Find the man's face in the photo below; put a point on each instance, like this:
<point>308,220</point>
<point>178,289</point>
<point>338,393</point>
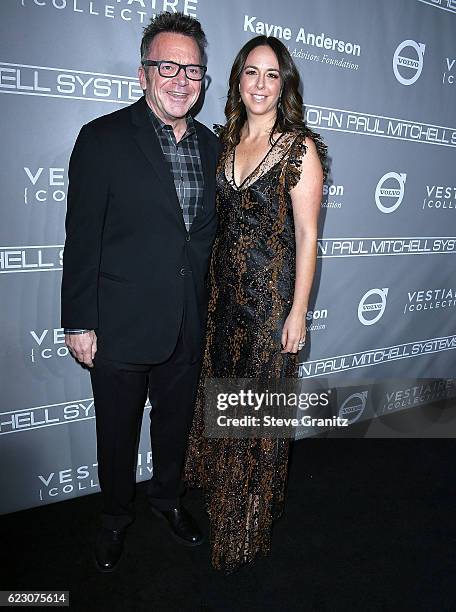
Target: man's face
<point>171,98</point>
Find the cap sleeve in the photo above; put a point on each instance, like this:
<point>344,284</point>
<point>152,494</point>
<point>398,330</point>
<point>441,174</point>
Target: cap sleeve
<point>218,129</point>
<point>297,151</point>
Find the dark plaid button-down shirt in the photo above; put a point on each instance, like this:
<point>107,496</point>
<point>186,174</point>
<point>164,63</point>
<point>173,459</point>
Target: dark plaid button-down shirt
<point>185,163</point>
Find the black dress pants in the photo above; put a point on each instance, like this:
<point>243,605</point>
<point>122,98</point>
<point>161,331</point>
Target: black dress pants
<point>120,391</point>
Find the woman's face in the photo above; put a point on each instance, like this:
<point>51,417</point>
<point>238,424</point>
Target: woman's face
<point>260,83</point>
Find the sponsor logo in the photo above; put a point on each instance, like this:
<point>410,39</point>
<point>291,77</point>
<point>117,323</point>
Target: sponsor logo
<point>313,41</point>
<point>48,343</point>
<point>24,419</point>
<point>446,5</point>
<point>126,10</point>
<point>369,304</point>
<point>440,197</point>
<point>353,407</point>
<point>353,122</point>
<point>81,480</point>
<point>303,54</point>
<point>449,71</point>
<point>68,482</point>
<point>144,466</point>
<point>377,247</point>
<point>46,416</point>
<point>430,299</point>
<point>390,192</point>
<point>332,196</point>
<point>44,185</point>
<point>315,318</point>
<point>416,395</point>
<point>376,356</point>
<point>408,61</point>
<point>52,82</point>
<point>31,259</point>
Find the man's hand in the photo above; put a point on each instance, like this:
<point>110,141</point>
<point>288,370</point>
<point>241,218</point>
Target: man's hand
<point>82,346</point>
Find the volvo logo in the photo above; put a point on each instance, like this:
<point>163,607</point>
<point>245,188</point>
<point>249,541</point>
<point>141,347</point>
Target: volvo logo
<point>353,407</point>
<point>370,310</point>
<point>389,198</point>
<point>407,67</point>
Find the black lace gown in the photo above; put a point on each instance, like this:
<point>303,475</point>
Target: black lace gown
<point>252,275</point>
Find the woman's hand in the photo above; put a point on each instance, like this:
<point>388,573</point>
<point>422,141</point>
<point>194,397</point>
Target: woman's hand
<point>294,332</point>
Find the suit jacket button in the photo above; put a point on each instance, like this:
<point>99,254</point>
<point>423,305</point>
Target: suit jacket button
<point>182,271</point>
<point>188,238</point>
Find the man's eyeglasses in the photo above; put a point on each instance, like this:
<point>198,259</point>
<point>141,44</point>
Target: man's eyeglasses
<point>194,72</point>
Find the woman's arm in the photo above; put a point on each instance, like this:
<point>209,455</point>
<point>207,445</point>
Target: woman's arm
<point>306,200</point>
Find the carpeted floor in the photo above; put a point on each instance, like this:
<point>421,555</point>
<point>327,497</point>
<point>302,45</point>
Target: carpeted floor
<point>369,525</point>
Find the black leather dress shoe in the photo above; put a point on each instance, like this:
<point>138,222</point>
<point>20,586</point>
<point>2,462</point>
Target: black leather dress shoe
<point>108,548</point>
<point>181,524</point>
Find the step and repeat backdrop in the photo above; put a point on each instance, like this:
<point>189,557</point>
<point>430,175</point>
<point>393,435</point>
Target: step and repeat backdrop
<point>379,84</point>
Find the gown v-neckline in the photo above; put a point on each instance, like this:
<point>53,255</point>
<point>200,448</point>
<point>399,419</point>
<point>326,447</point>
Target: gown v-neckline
<point>233,159</point>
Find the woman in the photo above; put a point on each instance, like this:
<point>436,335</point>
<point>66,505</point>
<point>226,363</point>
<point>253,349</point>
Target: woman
<point>269,188</point>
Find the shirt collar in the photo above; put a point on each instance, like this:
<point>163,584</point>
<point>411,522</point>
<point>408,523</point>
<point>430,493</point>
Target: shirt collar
<point>160,126</point>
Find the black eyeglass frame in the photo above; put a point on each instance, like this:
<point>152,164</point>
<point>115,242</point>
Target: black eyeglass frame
<point>158,63</point>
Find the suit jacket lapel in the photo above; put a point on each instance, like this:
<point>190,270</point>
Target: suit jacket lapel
<point>147,140</point>
<point>204,163</point>
<point>208,166</point>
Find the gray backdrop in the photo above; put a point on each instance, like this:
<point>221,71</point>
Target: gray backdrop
<point>379,84</point>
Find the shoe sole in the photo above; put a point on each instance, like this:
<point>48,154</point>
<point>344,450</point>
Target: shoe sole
<point>173,535</point>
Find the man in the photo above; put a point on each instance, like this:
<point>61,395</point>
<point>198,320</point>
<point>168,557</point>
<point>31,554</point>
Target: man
<point>140,225</point>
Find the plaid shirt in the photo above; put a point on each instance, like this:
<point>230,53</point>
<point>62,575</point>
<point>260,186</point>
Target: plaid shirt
<point>185,165</point>
<point>186,169</point>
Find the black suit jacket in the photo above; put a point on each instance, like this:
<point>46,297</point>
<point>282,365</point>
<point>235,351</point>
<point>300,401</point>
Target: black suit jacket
<point>129,261</point>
